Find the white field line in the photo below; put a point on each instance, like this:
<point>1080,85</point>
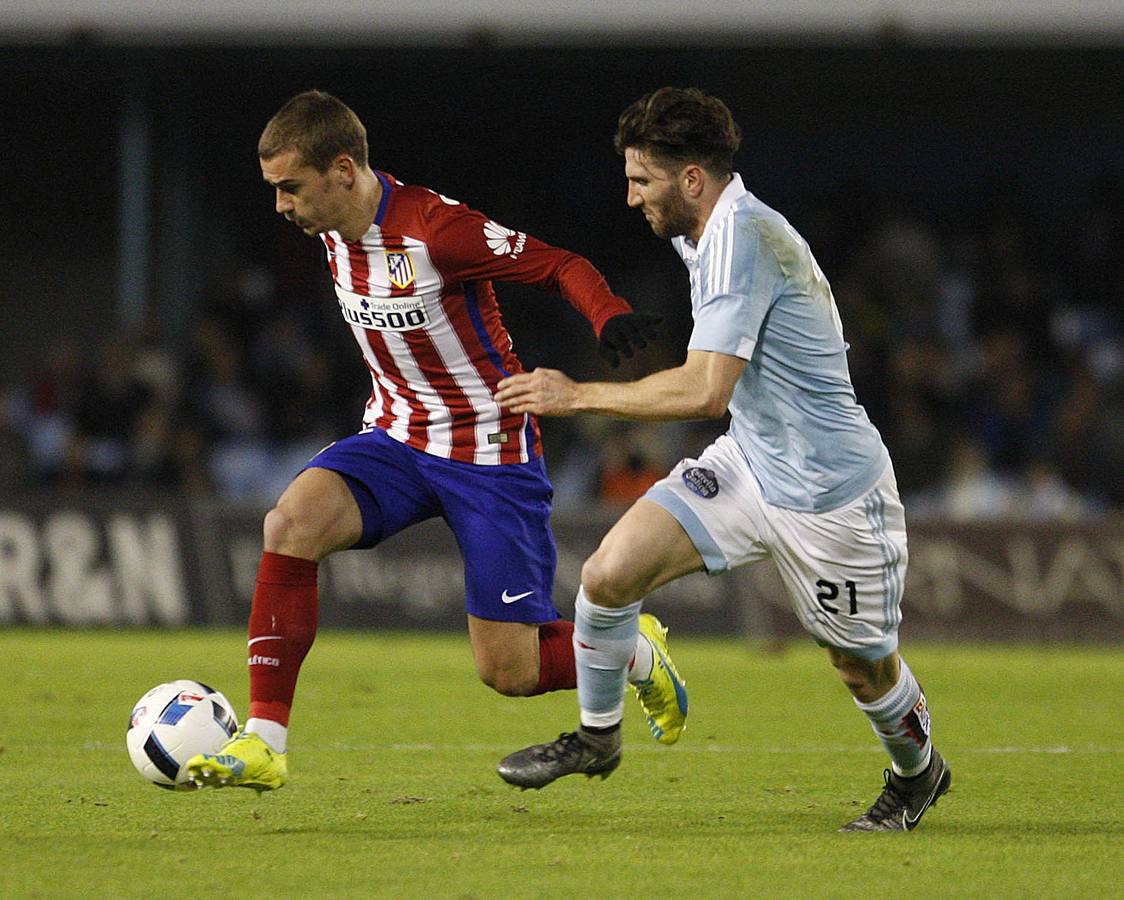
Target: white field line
<point>652,748</point>
<point>726,748</point>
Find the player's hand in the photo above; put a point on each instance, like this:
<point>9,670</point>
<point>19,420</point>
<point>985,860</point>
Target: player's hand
<point>623,335</point>
<point>542,392</point>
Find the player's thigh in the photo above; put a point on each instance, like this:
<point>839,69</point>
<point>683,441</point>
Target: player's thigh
<point>845,569</point>
<point>704,515</point>
<point>500,516</point>
<point>388,491</point>
<point>645,549</point>
<point>316,515</point>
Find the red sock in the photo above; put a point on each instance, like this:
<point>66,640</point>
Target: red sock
<point>283,621</point>
<point>556,657</point>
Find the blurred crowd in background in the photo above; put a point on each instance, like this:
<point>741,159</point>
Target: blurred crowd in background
<point>994,371</point>
<point>166,330</point>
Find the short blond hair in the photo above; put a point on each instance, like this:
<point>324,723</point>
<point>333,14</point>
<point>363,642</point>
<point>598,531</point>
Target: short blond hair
<point>319,127</point>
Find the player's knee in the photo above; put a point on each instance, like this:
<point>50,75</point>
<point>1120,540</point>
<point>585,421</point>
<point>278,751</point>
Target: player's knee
<point>867,680</point>
<point>603,578</point>
<point>510,681</point>
<point>276,529</point>
<point>286,531</point>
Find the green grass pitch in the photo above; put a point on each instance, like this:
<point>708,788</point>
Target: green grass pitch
<point>393,791</point>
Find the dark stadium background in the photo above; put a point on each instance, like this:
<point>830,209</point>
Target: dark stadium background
<point>167,337</point>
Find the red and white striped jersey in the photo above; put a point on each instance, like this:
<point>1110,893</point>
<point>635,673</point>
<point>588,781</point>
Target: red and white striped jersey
<point>416,290</point>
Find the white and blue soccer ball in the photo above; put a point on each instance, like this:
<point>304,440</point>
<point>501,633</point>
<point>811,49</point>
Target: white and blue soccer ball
<point>173,722</point>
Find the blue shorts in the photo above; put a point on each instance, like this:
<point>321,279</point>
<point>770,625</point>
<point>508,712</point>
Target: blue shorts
<point>500,516</point>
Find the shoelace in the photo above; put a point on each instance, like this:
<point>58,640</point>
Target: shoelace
<point>889,802</point>
<point>564,746</point>
<point>652,698</point>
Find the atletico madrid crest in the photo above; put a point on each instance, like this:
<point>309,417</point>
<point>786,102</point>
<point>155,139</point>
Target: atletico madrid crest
<point>399,268</point>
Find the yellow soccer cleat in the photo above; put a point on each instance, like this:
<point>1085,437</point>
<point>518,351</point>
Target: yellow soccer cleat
<point>243,761</point>
<point>663,696</point>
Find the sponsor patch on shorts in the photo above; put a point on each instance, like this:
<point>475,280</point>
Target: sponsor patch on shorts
<point>702,481</point>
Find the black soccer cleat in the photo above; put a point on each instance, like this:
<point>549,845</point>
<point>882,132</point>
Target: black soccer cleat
<point>903,801</point>
<point>574,753</point>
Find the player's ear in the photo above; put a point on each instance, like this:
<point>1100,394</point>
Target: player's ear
<point>693,180</point>
<point>344,168</point>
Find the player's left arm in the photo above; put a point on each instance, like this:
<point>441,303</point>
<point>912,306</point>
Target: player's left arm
<point>468,246</point>
<point>699,389</point>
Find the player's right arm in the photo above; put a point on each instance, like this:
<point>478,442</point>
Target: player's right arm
<point>468,246</point>
<point>699,389</point>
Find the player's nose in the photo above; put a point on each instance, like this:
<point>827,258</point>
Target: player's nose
<point>283,202</point>
<point>634,199</point>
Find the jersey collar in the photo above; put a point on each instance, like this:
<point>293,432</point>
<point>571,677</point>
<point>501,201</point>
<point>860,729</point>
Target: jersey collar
<point>385,199</point>
<point>730,195</point>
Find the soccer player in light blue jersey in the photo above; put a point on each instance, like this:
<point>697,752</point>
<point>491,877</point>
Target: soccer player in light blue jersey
<point>801,477</point>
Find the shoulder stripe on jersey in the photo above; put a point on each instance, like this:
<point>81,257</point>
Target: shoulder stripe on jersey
<point>728,259</point>
<point>714,254</point>
<point>709,260</point>
<point>719,258</point>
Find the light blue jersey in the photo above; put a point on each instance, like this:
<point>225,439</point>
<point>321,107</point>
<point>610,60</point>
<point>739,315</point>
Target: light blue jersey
<point>758,293</point>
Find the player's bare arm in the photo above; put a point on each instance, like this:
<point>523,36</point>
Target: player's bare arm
<point>544,392</point>
<point>698,389</point>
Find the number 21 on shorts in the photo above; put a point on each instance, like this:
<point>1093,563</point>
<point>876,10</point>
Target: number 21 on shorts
<point>829,590</point>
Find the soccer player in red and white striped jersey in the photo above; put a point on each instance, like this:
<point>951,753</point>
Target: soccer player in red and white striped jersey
<point>413,273</point>
<point>416,289</point>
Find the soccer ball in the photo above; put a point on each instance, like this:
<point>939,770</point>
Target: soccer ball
<point>173,722</point>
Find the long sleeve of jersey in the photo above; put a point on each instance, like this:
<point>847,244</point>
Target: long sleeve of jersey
<point>468,246</point>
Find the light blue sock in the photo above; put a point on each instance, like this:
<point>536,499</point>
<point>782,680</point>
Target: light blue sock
<point>604,644</point>
<point>901,721</point>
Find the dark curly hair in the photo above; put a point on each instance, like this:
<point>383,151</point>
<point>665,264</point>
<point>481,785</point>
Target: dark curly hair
<point>680,126</point>
<point>319,127</point>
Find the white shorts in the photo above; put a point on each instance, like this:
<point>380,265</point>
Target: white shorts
<point>843,569</point>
